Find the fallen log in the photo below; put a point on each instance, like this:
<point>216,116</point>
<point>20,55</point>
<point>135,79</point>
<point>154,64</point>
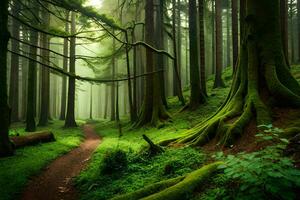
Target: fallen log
<point>179,188</point>
<point>33,139</point>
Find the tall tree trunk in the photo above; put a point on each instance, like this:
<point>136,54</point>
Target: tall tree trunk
<point>291,25</point>
<point>65,67</point>
<point>298,27</point>
<point>113,86</point>
<point>262,80</point>
<point>228,43</point>
<point>159,44</point>
<point>153,111</point>
<point>70,117</point>
<point>106,102</point>
<point>176,74</point>
<point>235,33</point>
<point>14,72</point>
<point>202,47</point>
<point>213,35</point>
<point>219,45</point>
<point>197,96</point>
<point>91,102</point>
<point>133,112</point>
<point>24,64</point>
<point>45,82</point>
<point>6,147</point>
<point>284,26</point>
<point>32,77</point>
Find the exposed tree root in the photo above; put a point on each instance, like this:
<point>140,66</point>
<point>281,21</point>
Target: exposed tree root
<point>173,189</point>
<point>262,81</point>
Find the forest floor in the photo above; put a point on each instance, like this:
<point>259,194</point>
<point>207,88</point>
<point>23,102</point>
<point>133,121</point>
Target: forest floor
<point>16,171</point>
<point>134,169</point>
<point>55,182</point>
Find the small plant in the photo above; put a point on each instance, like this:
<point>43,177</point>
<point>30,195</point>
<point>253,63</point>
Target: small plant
<point>268,132</point>
<point>264,174</point>
<point>114,161</point>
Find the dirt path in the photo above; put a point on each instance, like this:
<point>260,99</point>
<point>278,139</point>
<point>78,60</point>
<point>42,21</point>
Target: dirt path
<point>55,182</point>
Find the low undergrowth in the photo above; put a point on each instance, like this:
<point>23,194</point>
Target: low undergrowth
<point>263,173</point>
<point>15,171</point>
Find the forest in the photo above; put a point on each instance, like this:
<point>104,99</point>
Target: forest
<point>149,99</point>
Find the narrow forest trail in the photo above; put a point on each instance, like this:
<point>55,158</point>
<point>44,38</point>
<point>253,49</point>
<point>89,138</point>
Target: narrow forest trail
<point>55,182</point>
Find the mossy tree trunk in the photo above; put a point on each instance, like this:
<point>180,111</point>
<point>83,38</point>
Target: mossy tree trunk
<point>197,95</point>
<point>153,111</point>
<point>262,79</point>
<point>6,147</point>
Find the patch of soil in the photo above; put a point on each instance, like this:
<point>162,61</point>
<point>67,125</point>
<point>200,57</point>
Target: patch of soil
<point>282,118</point>
<point>55,182</point>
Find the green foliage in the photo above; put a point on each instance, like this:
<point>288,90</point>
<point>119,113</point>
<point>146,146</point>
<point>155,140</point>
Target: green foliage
<point>264,174</point>
<point>114,161</point>
<point>15,171</point>
<point>141,171</point>
<point>268,132</point>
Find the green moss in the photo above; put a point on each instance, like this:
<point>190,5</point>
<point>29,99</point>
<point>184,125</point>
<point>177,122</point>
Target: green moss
<point>15,171</point>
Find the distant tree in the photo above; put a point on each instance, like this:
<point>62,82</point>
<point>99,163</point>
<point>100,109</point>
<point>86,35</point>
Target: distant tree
<point>45,72</point>
<point>219,45</point>
<point>32,75</point>
<point>235,32</point>
<point>177,89</point>
<point>197,96</point>
<point>202,46</point>
<point>70,117</point>
<point>153,111</point>
<point>14,70</point>
<point>65,67</point>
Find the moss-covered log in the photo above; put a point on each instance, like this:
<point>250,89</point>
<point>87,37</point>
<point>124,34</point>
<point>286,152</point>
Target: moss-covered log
<point>262,79</point>
<point>33,139</point>
<point>179,188</point>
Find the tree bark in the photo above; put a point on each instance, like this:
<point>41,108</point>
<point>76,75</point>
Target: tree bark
<point>14,72</point>
<point>32,76</point>
<point>284,26</point>
<point>176,74</point>
<point>235,33</point>
<point>64,79</point>
<point>160,61</point>
<point>197,96</point>
<point>70,117</point>
<point>298,27</point>
<point>6,147</point>
<point>202,47</point>
<point>262,80</point>
<point>219,45</point>
<point>153,111</point>
<point>45,81</point>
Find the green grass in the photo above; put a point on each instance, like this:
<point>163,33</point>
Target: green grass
<point>142,170</point>
<point>15,171</point>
